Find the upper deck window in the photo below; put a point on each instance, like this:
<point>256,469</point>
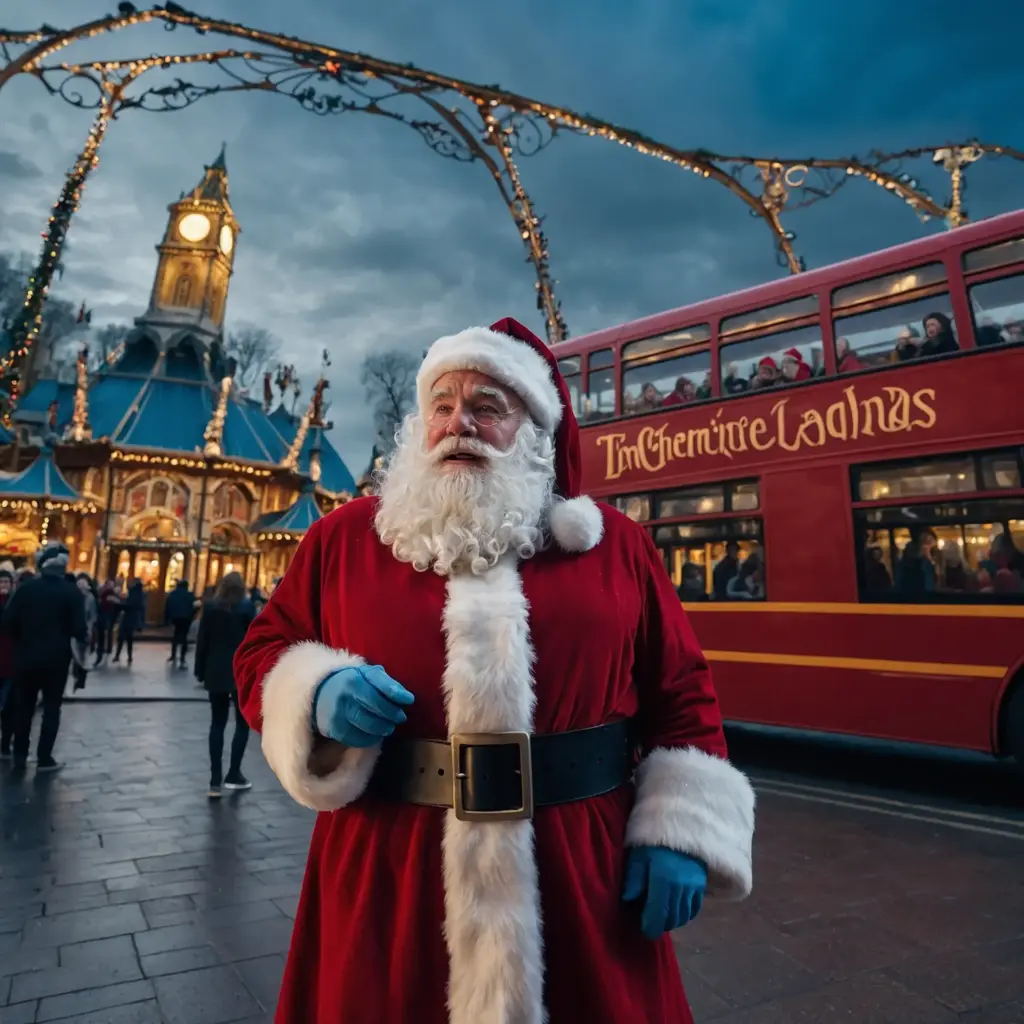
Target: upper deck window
<point>896,334</point>
<point>998,255</point>
<point>599,403</point>
<point>667,370</point>
<point>769,316</point>
<point>891,286</point>
<point>570,370</point>
<point>998,310</point>
<point>772,360</point>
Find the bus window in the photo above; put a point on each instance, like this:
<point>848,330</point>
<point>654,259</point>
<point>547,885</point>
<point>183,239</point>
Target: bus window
<point>909,330</point>
<point>570,369</point>
<point>998,310</point>
<point>998,255</point>
<point>600,400</point>
<point>649,385</point>
<point>772,360</point>
<point>966,547</point>
<point>635,506</point>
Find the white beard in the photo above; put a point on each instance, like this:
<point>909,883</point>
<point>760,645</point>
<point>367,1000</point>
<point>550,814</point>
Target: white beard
<point>460,519</point>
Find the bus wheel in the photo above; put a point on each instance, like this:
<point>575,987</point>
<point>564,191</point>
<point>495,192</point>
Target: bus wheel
<point>1013,725</point>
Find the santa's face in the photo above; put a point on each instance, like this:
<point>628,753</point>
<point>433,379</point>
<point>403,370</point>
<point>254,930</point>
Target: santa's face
<point>471,479</point>
<point>469,410</point>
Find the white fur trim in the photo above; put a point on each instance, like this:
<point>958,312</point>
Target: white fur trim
<point>492,896</point>
<point>701,805</point>
<point>288,690</point>
<point>506,359</point>
<point>576,524</point>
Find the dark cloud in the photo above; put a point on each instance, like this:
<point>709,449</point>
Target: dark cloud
<point>12,165</point>
<point>356,236</point>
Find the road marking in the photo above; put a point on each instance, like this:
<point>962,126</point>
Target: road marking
<point>875,809</point>
<point>923,668</point>
<point>886,801</point>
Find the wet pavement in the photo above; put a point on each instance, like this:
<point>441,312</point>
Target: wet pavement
<point>126,897</point>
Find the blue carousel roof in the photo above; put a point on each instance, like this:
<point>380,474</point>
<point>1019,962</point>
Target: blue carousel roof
<point>42,479</point>
<point>297,518</point>
<point>166,402</point>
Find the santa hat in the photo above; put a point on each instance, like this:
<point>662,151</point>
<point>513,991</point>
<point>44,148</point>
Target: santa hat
<point>767,362</point>
<point>794,354</point>
<point>517,358</point>
<point>53,558</point>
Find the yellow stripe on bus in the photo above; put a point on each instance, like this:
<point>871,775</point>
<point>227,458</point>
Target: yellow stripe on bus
<point>921,668</point>
<point>974,611</point>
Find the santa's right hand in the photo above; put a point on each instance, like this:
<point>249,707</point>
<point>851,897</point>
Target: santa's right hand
<point>359,706</point>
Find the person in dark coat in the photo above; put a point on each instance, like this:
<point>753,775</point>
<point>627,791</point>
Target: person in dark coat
<point>6,666</point>
<point>43,618</point>
<point>179,612</point>
<point>133,616</point>
<point>222,628</point>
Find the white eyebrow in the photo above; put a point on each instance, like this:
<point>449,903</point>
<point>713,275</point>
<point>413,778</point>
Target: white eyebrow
<point>440,393</point>
<point>486,392</point>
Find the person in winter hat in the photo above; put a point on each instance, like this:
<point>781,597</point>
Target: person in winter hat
<point>457,674</point>
<point>43,619</point>
<point>793,366</point>
<point>6,652</point>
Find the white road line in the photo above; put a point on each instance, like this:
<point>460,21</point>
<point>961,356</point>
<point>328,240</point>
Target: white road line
<point>874,809</point>
<point>886,801</point>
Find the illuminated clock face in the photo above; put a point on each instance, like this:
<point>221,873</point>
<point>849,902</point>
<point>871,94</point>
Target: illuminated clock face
<point>227,239</point>
<point>194,227</point>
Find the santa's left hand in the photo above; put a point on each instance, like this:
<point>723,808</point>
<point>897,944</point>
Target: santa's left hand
<point>673,884</point>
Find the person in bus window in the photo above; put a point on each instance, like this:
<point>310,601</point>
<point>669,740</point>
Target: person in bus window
<point>692,587</point>
<point>988,333</point>
<point>846,359</point>
<point>767,374</point>
<point>908,344</point>
<point>1014,332</point>
<point>733,383</point>
<point>748,583</point>
<point>704,391</point>
<point>876,575</point>
<point>683,392</point>
<point>940,339</point>
<point>725,570</point>
<point>956,574</point>
<point>915,572</point>
<point>793,366</point>
<point>648,400</point>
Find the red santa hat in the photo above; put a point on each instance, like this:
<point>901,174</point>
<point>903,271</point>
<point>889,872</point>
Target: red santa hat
<point>516,357</point>
<point>767,363</point>
<point>794,354</point>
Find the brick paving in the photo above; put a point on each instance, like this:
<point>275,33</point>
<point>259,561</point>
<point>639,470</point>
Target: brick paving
<point>126,897</point>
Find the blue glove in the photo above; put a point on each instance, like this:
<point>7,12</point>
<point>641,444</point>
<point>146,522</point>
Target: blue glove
<point>359,706</point>
<point>674,885</point>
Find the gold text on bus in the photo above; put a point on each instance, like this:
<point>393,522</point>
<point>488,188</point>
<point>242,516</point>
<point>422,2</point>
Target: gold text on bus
<point>847,420</point>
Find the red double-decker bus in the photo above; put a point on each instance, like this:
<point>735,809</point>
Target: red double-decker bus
<point>833,468</point>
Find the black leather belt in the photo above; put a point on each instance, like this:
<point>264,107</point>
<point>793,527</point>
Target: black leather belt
<point>504,776</point>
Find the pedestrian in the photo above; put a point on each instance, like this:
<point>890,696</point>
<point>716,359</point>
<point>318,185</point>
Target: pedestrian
<point>109,608</point>
<point>458,674</point>
<point>43,618</point>
<point>6,663</point>
<point>133,617</point>
<point>222,627</point>
<point>86,588</point>
<point>179,611</point>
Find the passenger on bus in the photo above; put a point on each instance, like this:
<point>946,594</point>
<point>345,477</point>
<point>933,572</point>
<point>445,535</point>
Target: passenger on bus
<point>846,360</point>
<point>767,374</point>
<point>941,340</point>
<point>1014,332</point>
<point>956,573</point>
<point>988,333</point>
<point>692,587</point>
<point>648,400</point>
<point>908,341</point>
<point>793,366</point>
<point>876,576</point>
<point>748,583</point>
<point>683,392</point>
<point>704,391</point>
<point>726,570</point>
<point>733,383</point>
<point>915,572</point>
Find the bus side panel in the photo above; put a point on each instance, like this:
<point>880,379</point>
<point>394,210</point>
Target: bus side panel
<point>808,534</point>
<point>942,710</point>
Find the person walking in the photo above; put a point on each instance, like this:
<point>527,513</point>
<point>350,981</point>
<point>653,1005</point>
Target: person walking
<point>109,602</point>
<point>6,653</point>
<point>222,628</point>
<point>86,588</point>
<point>133,615</point>
<point>43,618</point>
<point>179,611</point>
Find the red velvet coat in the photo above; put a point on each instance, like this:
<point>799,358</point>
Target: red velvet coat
<point>409,916</point>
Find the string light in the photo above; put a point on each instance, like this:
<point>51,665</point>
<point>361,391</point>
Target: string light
<point>214,433</point>
<point>80,428</point>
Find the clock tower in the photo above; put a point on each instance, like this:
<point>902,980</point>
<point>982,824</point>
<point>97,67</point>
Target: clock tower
<point>196,260</point>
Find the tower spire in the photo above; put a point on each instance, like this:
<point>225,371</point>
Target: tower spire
<point>220,164</point>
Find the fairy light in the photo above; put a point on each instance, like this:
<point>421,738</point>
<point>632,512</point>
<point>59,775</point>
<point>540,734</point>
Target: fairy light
<point>214,434</point>
<point>80,428</point>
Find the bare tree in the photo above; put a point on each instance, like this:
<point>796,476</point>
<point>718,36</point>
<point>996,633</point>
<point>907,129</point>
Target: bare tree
<point>252,348</point>
<point>105,342</point>
<point>390,382</point>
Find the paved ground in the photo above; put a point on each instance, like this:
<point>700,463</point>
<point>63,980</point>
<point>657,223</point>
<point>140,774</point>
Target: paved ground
<point>150,677</point>
<point>127,898</point>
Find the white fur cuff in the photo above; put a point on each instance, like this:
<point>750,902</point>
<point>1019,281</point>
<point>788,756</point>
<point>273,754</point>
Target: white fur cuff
<point>288,690</point>
<point>701,805</point>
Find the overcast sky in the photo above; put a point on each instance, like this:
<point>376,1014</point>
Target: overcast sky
<point>357,237</point>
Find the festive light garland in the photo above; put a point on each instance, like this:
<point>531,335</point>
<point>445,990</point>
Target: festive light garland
<point>80,428</point>
<point>214,433</point>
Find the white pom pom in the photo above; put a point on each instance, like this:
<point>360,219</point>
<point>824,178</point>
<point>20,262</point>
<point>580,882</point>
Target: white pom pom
<point>576,525</point>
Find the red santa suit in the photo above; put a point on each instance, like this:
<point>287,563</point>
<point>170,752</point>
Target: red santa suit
<point>409,915</point>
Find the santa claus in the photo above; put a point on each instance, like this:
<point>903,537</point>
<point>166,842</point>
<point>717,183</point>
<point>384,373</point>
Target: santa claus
<point>487,686</point>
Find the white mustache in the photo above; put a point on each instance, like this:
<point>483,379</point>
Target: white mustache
<point>464,446</point>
